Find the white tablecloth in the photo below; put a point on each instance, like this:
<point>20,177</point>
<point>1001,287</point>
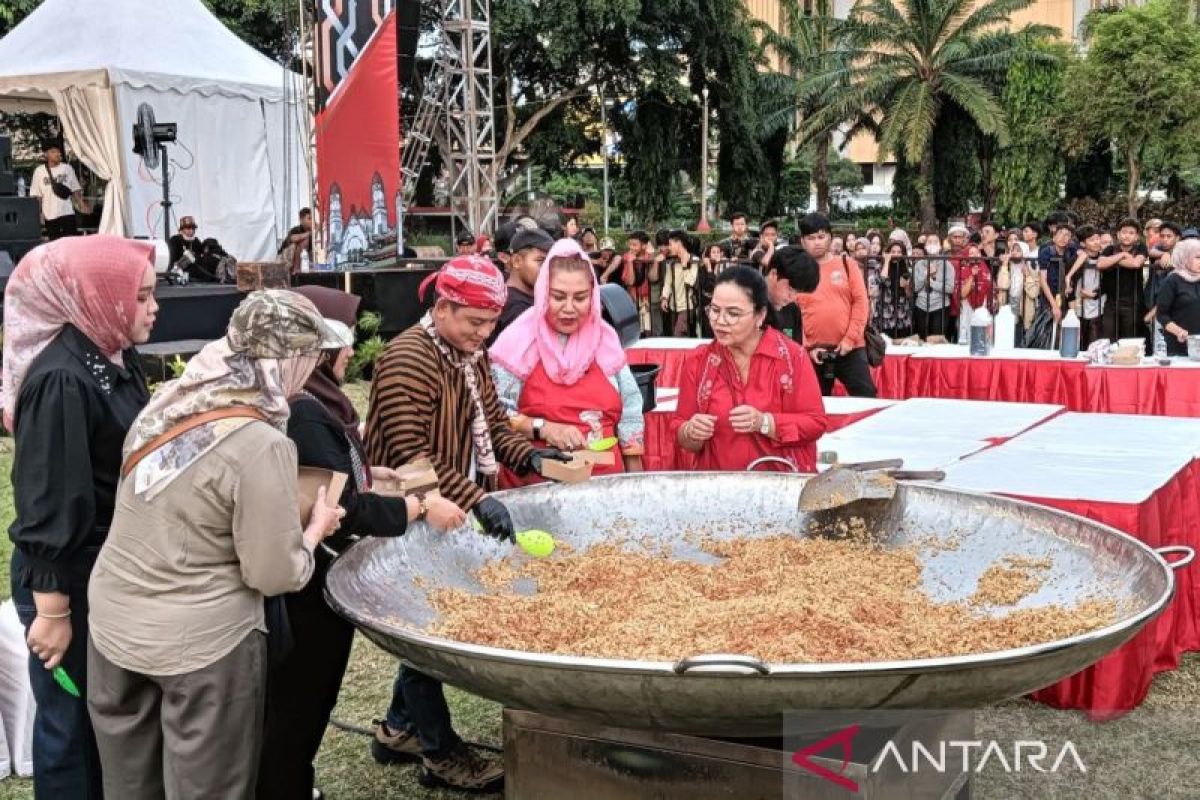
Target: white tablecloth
<point>668,343</point>
<point>1142,439</point>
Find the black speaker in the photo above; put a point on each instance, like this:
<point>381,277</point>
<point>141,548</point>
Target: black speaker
<point>19,219</point>
<point>16,249</point>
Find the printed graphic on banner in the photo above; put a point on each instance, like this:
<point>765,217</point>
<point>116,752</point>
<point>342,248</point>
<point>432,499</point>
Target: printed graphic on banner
<point>358,154</point>
<point>344,27</point>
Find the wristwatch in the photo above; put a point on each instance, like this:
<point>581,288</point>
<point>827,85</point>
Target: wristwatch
<point>537,425</point>
<point>422,508</point>
<point>764,427</point>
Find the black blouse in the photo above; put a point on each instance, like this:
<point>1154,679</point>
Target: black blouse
<point>73,411</point>
<point>321,442</point>
<point>1179,302</point>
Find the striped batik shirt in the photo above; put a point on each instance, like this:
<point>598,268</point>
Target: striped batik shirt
<point>421,406</point>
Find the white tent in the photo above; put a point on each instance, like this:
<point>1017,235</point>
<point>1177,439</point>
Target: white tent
<point>239,166</point>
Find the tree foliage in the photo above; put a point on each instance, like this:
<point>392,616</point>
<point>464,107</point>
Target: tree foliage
<point>1136,86</point>
<point>1029,172</point>
<point>909,59</point>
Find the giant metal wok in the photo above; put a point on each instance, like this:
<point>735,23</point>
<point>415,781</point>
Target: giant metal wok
<point>380,585</point>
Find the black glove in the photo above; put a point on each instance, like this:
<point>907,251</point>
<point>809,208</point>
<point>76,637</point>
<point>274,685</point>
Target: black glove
<point>540,454</point>
<point>495,519</point>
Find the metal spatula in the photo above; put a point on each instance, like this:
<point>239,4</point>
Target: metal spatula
<point>843,484</point>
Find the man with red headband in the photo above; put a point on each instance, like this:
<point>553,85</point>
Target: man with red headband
<point>433,397</point>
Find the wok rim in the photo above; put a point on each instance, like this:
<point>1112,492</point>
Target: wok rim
<point>1131,625</point>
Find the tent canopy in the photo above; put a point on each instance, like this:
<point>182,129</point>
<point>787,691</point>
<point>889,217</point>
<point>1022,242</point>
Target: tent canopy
<point>240,164</point>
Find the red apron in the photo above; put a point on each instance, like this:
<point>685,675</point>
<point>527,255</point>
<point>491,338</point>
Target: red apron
<point>554,402</point>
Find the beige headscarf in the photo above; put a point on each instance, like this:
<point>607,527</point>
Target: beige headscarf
<point>273,343</point>
<point>1183,256</point>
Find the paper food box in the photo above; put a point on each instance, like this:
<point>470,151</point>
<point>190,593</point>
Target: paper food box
<point>419,477</point>
<point>605,458</point>
<point>312,478</point>
<point>577,470</point>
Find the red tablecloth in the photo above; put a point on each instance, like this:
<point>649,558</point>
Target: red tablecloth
<point>1119,682</point>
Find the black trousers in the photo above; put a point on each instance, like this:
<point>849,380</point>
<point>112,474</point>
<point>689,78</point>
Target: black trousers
<point>63,226</point>
<point>930,323</point>
<point>852,370</point>
<point>302,691</point>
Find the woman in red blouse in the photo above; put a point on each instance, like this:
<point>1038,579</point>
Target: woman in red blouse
<point>753,391</point>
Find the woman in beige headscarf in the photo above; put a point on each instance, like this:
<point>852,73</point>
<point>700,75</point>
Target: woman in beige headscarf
<point>206,524</point>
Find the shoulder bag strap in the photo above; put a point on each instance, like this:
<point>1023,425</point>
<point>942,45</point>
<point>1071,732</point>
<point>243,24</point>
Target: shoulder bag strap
<point>185,425</point>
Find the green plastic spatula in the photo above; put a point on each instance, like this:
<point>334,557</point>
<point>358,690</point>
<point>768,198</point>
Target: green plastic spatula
<point>537,543</point>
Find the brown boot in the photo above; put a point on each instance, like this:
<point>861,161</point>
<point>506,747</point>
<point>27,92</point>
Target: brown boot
<point>464,770</point>
<point>394,747</point>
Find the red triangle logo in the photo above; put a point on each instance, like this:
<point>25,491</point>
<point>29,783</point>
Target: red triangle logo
<point>842,739</point>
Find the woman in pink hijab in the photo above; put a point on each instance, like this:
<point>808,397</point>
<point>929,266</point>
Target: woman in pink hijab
<point>560,370</point>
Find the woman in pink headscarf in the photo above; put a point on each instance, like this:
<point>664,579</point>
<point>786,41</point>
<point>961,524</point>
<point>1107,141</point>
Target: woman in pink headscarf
<point>560,370</point>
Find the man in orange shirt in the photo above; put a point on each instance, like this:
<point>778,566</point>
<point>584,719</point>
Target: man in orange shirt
<point>835,315</point>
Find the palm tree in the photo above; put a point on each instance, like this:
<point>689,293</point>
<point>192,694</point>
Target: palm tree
<point>907,59</point>
<point>806,45</point>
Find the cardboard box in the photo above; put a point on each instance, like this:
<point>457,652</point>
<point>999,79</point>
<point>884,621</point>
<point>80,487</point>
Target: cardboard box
<point>419,477</point>
<point>606,458</point>
<point>936,339</point>
<point>577,470</point>
<point>312,478</point>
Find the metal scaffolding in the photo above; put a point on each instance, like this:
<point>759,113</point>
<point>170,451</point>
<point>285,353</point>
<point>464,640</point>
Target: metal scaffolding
<point>457,99</point>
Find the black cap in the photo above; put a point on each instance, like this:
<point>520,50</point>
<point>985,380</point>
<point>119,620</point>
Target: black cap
<point>530,237</point>
<point>1190,233</point>
<point>504,235</point>
<point>465,238</point>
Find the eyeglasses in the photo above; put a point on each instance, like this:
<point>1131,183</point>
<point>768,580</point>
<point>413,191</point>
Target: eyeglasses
<point>730,316</point>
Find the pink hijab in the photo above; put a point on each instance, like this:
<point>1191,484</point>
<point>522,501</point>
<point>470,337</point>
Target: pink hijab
<point>90,282</point>
<point>530,339</point>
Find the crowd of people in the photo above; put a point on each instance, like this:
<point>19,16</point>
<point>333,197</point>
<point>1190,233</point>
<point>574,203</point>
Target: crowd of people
<point>154,559</point>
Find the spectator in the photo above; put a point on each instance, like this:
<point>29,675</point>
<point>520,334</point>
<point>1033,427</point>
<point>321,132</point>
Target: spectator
<point>299,236</point>
<point>740,244</point>
<point>657,274</point>
<point>589,241</point>
<point>768,234</point>
<point>529,248</point>
<point>58,191</point>
<point>837,246</point>
<point>561,373</point>
<point>571,228</point>
<point>791,271</point>
<point>680,287</point>
<point>751,392</point>
<point>1053,261</point>
<point>636,264</point>
<point>990,245</point>
<point>1084,285</point>
<point>185,245</point>
<point>875,242</point>
<point>73,384</point>
<point>1121,267</point>
<point>973,282</point>
<point>1107,240</point>
<point>1151,230</point>
<point>608,262</point>
<point>714,258</point>
<point>207,524</point>
<point>504,234</point>
<point>464,244</point>
<point>895,298</point>
<point>1160,267</point>
<point>933,282</point>
<point>835,314</point>
<point>1178,301</point>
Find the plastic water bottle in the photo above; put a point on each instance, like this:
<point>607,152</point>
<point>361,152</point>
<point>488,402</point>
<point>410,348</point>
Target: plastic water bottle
<point>981,331</point>
<point>1069,348</point>
<point>22,189</point>
<point>1005,328</point>
<point>305,261</point>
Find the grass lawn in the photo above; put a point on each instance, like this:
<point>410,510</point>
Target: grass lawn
<point>345,770</point>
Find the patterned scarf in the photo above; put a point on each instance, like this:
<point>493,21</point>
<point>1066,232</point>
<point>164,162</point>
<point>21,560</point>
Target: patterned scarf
<point>481,437</point>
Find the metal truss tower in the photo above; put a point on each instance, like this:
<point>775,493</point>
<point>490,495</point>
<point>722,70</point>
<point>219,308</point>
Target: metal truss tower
<point>458,99</point>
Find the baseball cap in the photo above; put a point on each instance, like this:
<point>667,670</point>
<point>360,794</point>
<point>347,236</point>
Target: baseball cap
<point>276,323</point>
<point>465,238</point>
<point>530,237</point>
<point>1190,233</point>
